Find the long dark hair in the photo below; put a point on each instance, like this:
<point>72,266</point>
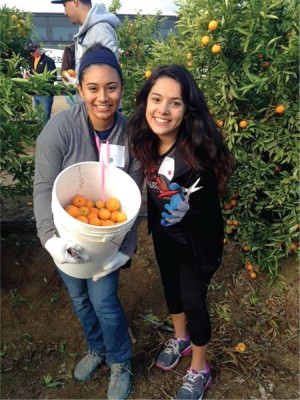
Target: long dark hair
<point>68,59</point>
<point>199,139</point>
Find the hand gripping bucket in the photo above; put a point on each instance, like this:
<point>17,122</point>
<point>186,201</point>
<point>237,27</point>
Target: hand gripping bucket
<point>100,242</point>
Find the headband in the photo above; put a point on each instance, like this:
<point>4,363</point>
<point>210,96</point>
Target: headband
<point>102,56</point>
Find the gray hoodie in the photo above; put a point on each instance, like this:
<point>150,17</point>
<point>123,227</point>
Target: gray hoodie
<point>99,27</point>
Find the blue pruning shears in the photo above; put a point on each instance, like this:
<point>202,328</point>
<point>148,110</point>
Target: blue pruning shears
<point>185,192</point>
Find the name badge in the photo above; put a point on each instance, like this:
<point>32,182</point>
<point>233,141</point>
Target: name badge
<point>167,168</point>
<point>116,155</point>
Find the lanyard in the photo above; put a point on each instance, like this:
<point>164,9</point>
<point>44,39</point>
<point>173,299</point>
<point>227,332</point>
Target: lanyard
<point>104,161</point>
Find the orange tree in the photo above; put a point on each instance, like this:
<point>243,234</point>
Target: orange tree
<point>19,123</point>
<point>136,37</point>
<point>244,56</point>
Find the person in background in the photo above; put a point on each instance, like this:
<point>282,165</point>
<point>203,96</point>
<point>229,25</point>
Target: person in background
<point>68,62</point>
<point>180,147</point>
<point>71,137</point>
<point>38,63</point>
<point>97,25</point>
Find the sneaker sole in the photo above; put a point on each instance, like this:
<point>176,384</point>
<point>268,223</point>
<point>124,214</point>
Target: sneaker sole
<point>85,379</point>
<point>90,376</point>
<point>185,353</point>
<point>124,397</point>
<point>208,384</point>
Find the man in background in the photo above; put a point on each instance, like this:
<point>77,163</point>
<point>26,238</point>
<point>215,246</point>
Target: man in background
<point>38,63</point>
<point>97,26</point>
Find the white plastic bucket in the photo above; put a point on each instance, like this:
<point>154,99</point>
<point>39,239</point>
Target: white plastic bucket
<point>100,242</point>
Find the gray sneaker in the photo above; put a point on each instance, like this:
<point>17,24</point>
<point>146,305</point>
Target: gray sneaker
<point>174,349</point>
<point>194,385</point>
<point>87,367</point>
<point>120,381</point>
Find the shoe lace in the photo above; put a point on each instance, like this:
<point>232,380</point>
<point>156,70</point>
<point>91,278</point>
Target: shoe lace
<point>116,370</point>
<point>172,346</point>
<point>92,354</point>
<point>189,381</point>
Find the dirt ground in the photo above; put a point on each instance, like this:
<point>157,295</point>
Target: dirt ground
<point>41,339</point>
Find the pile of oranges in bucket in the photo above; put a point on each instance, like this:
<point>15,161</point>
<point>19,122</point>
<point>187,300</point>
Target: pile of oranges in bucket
<point>98,213</point>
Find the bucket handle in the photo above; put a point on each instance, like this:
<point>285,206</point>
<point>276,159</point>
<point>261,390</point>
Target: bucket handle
<point>104,161</point>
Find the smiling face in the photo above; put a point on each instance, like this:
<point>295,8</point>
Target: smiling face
<point>165,109</point>
<point>101,90</point>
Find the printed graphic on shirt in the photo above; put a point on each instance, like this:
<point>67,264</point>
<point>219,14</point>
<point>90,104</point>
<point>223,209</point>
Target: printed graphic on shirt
<point>155,182</point>
<point>158,180</point>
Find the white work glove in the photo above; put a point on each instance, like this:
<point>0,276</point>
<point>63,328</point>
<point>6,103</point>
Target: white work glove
<point>68,80</point>
<point>118,261</point>
<point>65,251</point>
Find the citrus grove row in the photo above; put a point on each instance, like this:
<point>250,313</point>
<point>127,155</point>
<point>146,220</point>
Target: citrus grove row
<point>244,56</point>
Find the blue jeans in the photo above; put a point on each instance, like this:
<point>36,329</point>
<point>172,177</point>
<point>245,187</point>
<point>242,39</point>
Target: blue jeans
<point>46,102</point>
<point>100,312</point>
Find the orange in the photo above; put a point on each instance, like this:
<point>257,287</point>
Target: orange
<point>147,74</point>
<point>82,218</point>
<point>189,64</point>
<point>94,211</point>
<point>205,40</point>
<point>89,203</point>
<point>235,222</point>
<point>220,123</point>
<point>280,109</point>
<point>249,267</point>
<point>108,222</point>
<point>114,216</point>
<point>233,202</point>
<point>100,204</point>
<point>63,74</point>
<point>266,65</point>
<point>240,347</point>
<point>73,211</point>
<point>121,217</point>
<point>84,211</point>
<point>293,247</point>
<point>229,222</point>
<point>95,221</point>
<point>72,73</point>
<point>79,201</point>
<point>253,275</point>
<point>216,49</point>
<point>212,26</point>
<point>189,56</point>
<point>243,124</point>
<point>245,248</point>
<point>112,204</point>
<point>104,214</point>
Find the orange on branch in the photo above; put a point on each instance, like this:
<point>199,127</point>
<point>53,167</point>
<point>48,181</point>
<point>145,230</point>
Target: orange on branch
<point>213,24</point>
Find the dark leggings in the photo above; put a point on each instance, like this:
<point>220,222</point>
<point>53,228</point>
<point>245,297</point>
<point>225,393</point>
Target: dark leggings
<point>184,285</point>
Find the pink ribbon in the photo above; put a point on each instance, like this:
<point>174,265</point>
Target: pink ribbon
<point>104,161</point>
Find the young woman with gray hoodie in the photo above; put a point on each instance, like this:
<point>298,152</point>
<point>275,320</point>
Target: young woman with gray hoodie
<point>71,137</point>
